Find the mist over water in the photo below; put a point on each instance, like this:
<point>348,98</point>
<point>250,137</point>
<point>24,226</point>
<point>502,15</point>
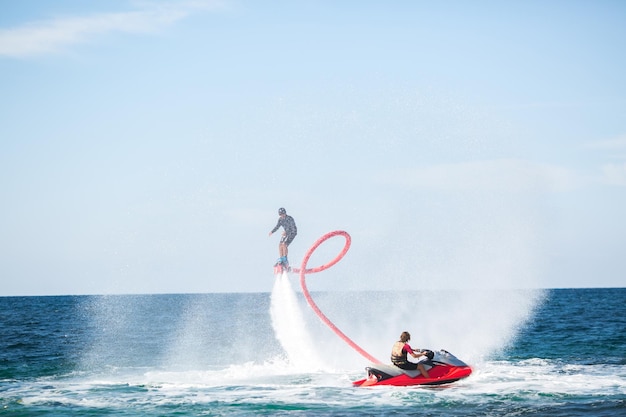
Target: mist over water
<point>192,338</point>
<point>472,324</point>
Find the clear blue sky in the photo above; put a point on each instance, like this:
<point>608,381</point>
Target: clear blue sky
<point>145,147</point>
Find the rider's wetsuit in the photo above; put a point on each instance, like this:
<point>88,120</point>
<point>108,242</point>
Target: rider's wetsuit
<point>289,225</point>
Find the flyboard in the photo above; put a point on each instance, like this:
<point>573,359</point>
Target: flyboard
<point>443,367</point>
<point>281,267</point>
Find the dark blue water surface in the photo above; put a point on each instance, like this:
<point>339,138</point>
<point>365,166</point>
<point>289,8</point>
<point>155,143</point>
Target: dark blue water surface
<point>578,326</point>
<point>106,355</point>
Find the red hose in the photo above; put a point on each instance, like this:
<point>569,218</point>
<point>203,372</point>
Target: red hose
<point>303,270</point>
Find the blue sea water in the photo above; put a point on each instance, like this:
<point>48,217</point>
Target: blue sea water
<point>555,352</point>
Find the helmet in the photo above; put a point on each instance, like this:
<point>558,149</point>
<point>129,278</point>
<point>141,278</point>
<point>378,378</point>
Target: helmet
<point>282,211</point>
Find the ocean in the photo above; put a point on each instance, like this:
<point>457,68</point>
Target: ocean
<point>558,352</point>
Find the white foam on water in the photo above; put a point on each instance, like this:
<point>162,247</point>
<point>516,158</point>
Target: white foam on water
<point>537,380</point>
<point>527,381</point>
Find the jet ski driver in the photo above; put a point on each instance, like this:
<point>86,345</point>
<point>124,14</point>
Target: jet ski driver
<point>400,351</point>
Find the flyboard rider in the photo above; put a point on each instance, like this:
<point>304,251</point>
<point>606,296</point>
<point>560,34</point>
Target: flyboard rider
<point>289,233</point>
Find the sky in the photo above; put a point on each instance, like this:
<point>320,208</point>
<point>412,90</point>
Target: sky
<point>145,147</point>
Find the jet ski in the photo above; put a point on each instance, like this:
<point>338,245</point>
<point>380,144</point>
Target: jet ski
<point>443,368</point>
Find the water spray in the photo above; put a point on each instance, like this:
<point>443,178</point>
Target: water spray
<point>303,271</point>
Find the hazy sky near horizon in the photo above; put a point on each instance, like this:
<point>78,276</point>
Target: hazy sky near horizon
<point>146,146</point>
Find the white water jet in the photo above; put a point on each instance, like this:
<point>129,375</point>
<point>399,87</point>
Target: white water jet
<point>289,327</point>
